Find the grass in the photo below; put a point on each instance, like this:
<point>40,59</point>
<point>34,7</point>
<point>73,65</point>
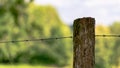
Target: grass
<point>28,66</point>
<point>24,66</point>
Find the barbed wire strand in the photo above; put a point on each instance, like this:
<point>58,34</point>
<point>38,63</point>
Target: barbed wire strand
<point>107,35</point>
<point>55,38</point>
<point>41,39</point>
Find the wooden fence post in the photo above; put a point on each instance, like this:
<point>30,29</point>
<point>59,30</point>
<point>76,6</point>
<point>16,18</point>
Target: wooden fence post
<point>84,43</point>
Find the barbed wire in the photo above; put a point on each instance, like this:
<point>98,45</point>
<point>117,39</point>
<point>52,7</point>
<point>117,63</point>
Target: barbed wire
<point>41,39</point>
<point>55,38</point>
<point>107,35</point>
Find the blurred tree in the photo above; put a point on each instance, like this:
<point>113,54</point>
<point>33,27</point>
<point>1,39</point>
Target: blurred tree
<point>11,14</point>
<point>45,21</point>
<point>17,8</point>
<point>116,55</point>
<point>24,20</point>
<point>103,48</point>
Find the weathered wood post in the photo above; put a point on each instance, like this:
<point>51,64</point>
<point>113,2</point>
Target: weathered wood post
<point>84,43</point>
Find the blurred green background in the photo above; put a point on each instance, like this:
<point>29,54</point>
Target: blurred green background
<point>22,19</point>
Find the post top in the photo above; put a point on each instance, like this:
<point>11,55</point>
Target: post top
<point>85,19</point>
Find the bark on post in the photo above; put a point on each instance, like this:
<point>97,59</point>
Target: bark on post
<point>84,43</point>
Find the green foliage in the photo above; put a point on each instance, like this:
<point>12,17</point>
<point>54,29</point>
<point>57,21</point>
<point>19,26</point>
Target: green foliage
<point>116,55</point>
<point>107,49</point>
<point>27,21</point>
<point>47,24</point>
<point>103,48</point>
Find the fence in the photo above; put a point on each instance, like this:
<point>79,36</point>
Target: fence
<point>83,41</point>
